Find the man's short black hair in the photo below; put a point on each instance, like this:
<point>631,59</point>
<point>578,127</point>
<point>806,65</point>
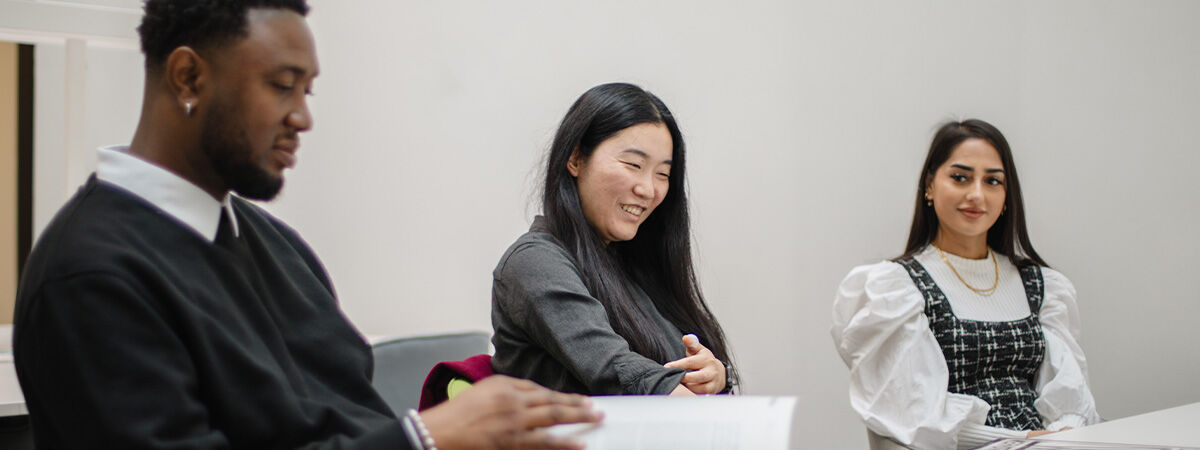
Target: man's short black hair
<point>199,24</point>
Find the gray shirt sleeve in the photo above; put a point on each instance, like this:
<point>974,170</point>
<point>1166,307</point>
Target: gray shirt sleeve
<point>539,289</point>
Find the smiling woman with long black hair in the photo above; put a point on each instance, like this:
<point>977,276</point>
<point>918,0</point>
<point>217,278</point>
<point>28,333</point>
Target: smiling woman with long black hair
<point>950,345</point>
<point>600,296</point>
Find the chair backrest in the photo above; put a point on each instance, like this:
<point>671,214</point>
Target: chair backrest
<point>402,364</point>
<point>877,442</point>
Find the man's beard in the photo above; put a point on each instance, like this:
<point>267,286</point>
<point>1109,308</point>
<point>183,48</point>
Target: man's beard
<point>231,154</point>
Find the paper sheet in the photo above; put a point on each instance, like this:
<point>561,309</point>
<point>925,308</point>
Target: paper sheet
<point>693,423</point>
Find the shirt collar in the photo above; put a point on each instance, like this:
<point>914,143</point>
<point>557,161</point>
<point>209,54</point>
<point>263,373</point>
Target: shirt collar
<point>165,190</point>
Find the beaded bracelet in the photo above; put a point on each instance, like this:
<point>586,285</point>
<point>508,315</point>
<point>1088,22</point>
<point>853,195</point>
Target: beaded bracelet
<point>426,438</point>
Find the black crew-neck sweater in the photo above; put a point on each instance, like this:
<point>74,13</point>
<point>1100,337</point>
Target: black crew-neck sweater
<point>133,331</point>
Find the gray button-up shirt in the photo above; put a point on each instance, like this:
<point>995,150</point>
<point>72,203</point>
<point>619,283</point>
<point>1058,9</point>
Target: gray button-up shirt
<point>548,328</point>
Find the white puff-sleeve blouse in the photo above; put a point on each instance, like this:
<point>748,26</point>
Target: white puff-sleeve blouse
<point>899,377</point>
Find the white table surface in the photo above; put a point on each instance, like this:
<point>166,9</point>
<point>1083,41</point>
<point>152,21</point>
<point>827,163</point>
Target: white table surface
<point>12,402</point>
<point>1178,426</point>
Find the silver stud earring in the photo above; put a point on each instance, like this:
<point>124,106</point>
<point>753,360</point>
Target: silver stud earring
<point>187,108</point>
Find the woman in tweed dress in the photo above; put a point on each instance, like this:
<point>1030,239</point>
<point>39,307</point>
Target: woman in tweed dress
<point>968,336</point>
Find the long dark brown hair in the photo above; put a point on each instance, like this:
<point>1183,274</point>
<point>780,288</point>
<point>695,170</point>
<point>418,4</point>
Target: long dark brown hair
<point>658,260</point>
<point>1009,235</point>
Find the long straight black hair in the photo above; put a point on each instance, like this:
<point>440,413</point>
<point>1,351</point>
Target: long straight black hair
<point>658,259</point>
<point>1008,236</point>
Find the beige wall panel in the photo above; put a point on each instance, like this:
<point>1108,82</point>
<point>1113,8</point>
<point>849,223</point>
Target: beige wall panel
<point>8,179</point>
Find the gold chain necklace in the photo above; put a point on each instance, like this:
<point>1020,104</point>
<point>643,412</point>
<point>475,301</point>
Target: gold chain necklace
<point>987,291</point>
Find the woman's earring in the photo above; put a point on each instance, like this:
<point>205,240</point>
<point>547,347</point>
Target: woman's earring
<point>928,199</point>
<point>187,108</point>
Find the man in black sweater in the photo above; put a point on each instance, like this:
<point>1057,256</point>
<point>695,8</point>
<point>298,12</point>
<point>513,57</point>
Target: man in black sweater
<point>159,311</point>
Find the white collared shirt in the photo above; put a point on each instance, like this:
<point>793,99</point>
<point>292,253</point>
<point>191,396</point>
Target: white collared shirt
<point>172,194</point>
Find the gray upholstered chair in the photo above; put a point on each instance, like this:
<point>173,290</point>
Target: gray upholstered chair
<point>401,364</point>
<point>878,442</point>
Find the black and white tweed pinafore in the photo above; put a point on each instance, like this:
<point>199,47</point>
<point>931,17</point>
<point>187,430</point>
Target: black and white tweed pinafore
<point>995,361</point>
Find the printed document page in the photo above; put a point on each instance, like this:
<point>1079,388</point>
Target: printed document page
<point>1046,444</point>
<point>694,423</point>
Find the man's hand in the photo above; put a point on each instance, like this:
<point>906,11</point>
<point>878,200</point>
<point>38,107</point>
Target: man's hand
<point>706,374</point>
<point>500,412</point>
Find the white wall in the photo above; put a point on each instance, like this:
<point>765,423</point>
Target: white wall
<point>807,123</point>
<point>109,102</point>
<point>1109,103</point>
